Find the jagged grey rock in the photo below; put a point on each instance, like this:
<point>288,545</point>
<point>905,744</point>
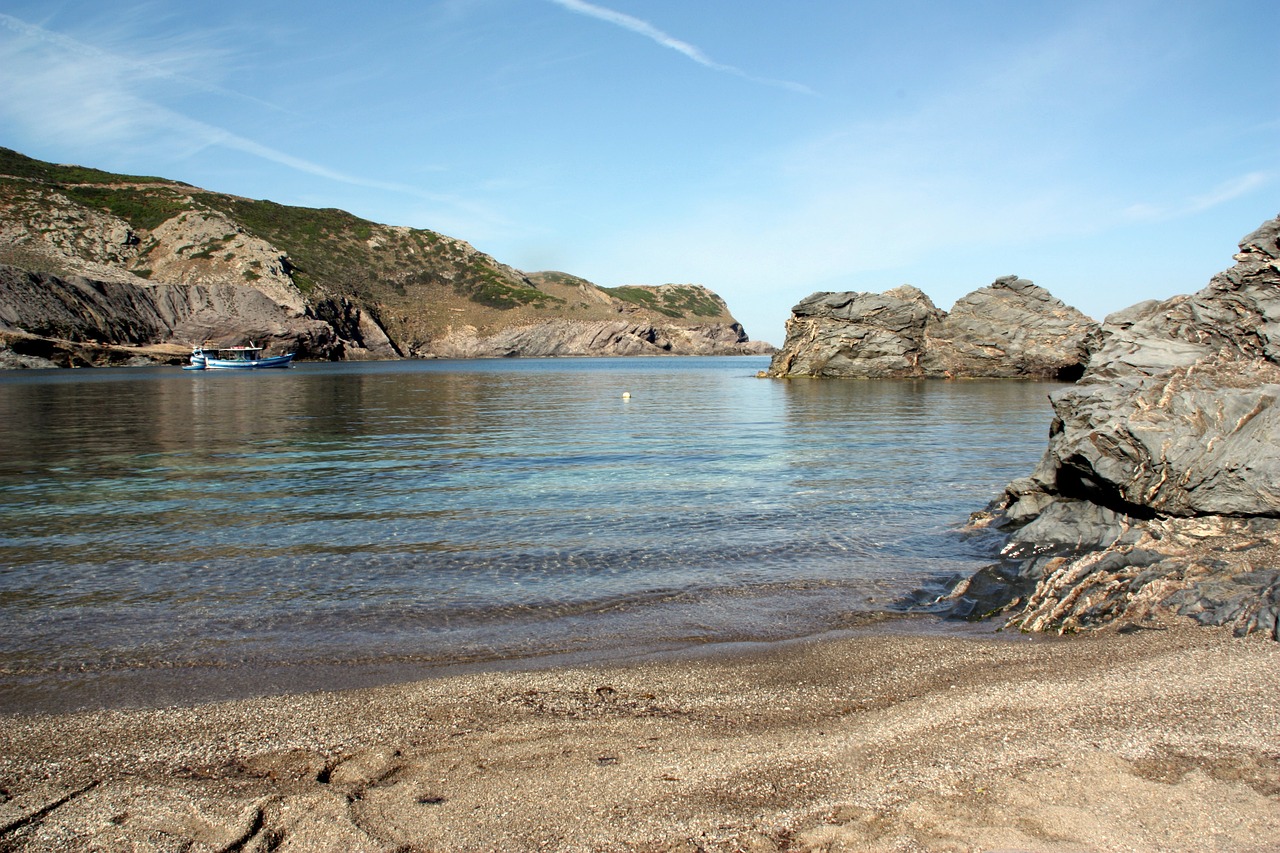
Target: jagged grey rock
<point>1012,328</point>
<point>1159,493</point>
<point>856,334</point>
<point>78,310</point>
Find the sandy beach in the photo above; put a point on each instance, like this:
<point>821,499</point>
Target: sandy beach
<point>890,739</point>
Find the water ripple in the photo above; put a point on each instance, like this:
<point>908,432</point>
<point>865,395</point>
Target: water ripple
<point>153,519</point>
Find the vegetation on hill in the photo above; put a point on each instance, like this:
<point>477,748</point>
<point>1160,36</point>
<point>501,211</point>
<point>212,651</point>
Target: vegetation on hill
<point>672,300</point>
<point>330,251</point>
<point>22,166</point>
<point>415,283</point>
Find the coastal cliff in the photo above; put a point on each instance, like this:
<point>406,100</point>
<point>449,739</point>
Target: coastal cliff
<point>1158,497</point>
<point>1012,328</point>
<point>102,268</point>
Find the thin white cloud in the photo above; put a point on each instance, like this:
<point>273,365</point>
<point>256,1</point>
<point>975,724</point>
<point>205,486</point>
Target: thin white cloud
<point>649,31</point>
<point>1225,192</point>
<point>58,88</point>
<point>61,88</point>
<point>644,28</point>
<point>142,69</point>
<point>1228,191</point>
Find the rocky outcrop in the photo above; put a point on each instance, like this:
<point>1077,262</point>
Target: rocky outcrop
<point>208,248</point>
<point>359,330</point>
<point>46,230</point>
<point>871,335</point>
<point>67,313</point>
<point>1159,494</point>
<point>599,338</point>
<point>1012,328</point>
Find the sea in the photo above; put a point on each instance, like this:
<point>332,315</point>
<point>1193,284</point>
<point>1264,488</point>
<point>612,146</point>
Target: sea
<point>171,536</point>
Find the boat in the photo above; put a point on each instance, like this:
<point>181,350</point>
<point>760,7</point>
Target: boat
<point>235,358</point>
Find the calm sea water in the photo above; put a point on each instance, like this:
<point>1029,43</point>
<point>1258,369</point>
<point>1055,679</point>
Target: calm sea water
<point>168,535</point>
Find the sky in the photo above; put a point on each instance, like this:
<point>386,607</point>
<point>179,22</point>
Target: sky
<point>1110,151</point>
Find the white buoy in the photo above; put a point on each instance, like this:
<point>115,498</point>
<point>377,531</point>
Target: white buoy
<point>626,395</point>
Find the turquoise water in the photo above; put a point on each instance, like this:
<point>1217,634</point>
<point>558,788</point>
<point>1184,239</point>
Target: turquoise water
<point>168,535</point>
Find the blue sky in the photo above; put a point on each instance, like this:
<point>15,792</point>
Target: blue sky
<point>1112,151</point>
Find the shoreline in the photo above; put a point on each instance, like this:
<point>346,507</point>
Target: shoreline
<point>154,687</point>
<point>873,740</point>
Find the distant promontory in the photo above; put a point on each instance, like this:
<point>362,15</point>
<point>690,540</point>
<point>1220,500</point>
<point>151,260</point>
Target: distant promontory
<point>99,268</point>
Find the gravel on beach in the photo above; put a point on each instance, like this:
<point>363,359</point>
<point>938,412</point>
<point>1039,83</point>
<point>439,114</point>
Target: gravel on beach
<point>883,740</point>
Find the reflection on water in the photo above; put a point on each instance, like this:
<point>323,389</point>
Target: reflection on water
<point>437,512</point>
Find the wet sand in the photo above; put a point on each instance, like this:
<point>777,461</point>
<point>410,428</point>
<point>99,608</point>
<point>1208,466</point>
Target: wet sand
<point>886,740</point>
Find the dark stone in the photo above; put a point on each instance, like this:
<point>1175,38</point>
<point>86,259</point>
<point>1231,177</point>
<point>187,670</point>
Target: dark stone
<point>1011,328</point>
<point>81,310</point>
<point>1159,493</point>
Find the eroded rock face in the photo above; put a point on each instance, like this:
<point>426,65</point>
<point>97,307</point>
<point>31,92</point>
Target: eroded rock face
<point>1012,328</point>
<point>201,247</point>
<point>54,233</point>
<point>82,310</point>
<point>871,335</point>
<point>1159,494</point>
<point>596,338</point>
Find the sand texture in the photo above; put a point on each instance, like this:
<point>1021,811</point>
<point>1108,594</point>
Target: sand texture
<point>884,741</point>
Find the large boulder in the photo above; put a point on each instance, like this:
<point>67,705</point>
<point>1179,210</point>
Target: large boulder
<point>1012,328</point>
<point>856,334</point>
<point>1159,493</point>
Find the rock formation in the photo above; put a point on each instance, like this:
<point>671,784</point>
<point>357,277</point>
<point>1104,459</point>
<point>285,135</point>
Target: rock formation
<point>600,337</point>
<point>856,334</point>
<point>101,263</point>
<point>1159,494</point>
<point>1012,328</point>
<point>46,320</point>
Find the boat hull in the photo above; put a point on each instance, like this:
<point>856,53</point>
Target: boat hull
<point>247,364</point>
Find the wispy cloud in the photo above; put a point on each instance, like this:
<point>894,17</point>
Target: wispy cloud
<point>60,87</point>
<point>1228,191</point>
<point>991,160</point>
<point>140,69</point>
<point>649,31</point>
<point>1224,192</point>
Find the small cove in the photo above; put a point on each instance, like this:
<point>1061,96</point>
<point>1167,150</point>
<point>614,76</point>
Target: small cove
<point>166,536</point>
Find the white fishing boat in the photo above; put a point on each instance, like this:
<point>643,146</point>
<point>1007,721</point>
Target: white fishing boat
<point>235,358</point>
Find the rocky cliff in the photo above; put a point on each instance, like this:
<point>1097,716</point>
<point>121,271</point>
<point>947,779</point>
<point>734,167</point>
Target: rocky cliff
<point>1159,495</point>
<point>99,263</point>
<point>76,322</point>
<point>1012,328</point>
